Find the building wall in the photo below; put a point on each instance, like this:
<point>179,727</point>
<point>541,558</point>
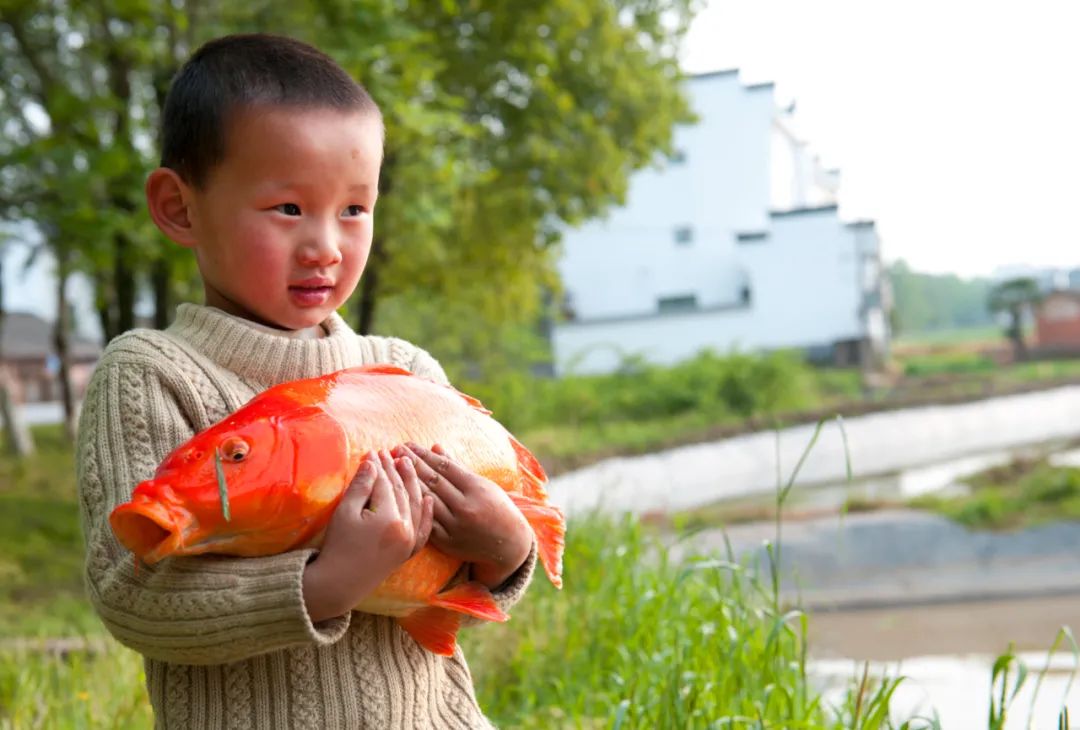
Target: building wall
<point>625,263</point>
<point>742,277</point>
<point>809,288</point>
<point>1057,323</point>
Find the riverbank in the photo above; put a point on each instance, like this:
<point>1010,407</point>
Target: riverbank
<point>862,447</point>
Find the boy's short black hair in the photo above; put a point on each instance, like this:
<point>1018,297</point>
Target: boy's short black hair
<point>238,71</point>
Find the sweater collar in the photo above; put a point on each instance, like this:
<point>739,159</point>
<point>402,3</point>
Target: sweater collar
<point>261,355</point>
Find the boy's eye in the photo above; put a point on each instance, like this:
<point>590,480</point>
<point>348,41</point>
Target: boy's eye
<point>288,208</point>
<point>354,210</point>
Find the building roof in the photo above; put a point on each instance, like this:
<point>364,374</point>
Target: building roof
<point>29,337</point>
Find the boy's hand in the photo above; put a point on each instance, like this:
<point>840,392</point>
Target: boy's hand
<point>382,521</point>
<point>474,519</point>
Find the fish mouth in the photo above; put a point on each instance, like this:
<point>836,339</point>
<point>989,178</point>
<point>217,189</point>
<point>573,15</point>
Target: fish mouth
<point>146,528</point>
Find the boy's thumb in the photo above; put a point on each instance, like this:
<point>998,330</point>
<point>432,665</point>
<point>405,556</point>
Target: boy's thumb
<point>362,483</point>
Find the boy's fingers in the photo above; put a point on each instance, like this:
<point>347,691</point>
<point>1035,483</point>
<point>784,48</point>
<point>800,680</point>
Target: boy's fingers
<point>408,476</point>
<point>439,473</point>
<point>381,497</point>
<point>401,500</point>
<point>423,523</point>
<point>440,512</point>
<point>439,533</point>
<point>359,491</point>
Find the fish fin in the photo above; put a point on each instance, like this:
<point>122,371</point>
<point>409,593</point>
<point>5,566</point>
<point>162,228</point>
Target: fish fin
<point>474,402</point>
<point>549,526</point>
<point>386,369</point>
<point>533,476</point>
<point>433,628</point>
<point>472,598</point>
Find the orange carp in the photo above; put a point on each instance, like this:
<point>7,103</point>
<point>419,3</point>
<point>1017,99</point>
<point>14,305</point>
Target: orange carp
<point>266,479</point>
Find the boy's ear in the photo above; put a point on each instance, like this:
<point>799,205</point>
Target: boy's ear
<point>169,198</point>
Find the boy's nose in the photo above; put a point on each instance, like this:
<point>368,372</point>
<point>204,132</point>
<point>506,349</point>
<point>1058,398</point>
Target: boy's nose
<point>321,247</point>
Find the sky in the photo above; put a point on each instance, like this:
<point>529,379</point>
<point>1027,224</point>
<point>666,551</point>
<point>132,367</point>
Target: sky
<point>956,124</point>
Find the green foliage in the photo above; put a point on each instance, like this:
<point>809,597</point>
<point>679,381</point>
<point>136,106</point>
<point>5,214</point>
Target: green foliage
<point>487,110</point>
<point>951,363</point>
<point>639,640</point>
<point>40,544</point>
<point>709,385</point>
<point>927,302</point>
<point>1017,496</point>
<point>73,690</point>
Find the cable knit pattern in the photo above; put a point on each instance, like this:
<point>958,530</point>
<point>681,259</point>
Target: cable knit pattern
<point>227,641</point>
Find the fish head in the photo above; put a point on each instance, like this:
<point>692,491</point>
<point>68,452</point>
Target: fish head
<point>256,483</point>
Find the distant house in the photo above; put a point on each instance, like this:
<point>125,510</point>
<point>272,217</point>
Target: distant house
<point>28,359</point>
<point>1057,323</point>
<point>735,243</point>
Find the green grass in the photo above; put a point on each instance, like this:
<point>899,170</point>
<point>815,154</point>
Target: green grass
<point>1021,494</point>
<point>950,336</point>
<point>41,589</point>
<point>77,690</point>
<point>638,640</point>
<point>635,640</point>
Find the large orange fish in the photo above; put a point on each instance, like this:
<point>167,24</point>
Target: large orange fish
<point>266,479</point>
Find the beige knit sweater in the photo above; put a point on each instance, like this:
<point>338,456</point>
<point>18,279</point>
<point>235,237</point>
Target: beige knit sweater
<point>227,641</point>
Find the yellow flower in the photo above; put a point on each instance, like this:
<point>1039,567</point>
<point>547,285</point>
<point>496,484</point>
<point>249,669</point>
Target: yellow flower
<point>84,696</point>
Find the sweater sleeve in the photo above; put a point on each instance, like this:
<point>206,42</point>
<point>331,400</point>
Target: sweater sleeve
<point>193,610</point>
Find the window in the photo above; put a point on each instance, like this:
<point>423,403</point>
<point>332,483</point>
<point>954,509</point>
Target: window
<point>684,235</point>
<point>755,237</point>
<point>680,303</point>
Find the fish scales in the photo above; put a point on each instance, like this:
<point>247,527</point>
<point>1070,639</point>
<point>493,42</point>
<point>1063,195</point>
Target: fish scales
<point>287,456</point>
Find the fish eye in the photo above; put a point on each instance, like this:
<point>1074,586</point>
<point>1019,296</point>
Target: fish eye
<point>234,449</point>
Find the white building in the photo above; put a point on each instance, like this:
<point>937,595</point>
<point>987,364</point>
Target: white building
<point>735,244</point>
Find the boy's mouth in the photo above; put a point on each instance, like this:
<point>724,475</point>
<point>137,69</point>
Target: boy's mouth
<point>311,292</point>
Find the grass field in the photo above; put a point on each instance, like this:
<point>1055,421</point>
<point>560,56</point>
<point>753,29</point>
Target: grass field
<point>1017,495</point>
<point>634,641</point>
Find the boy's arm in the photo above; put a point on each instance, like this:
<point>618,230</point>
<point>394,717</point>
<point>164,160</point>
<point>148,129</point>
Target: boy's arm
<point>201,610</point>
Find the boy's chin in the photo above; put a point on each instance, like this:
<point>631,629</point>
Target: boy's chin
<point>301,320</point>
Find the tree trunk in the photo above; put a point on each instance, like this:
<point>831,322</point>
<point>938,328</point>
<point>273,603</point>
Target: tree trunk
<point>17,435</point>
<point>124,279</point>
<point>20,443</point>
<point>160,281</point>
<point>369,290</point>
<point>60,342</point>
<point>105,306</point>
<point>1016,334</point>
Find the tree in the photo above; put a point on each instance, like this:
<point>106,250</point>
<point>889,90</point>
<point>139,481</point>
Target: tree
<point>1015,297</point>
<point>926,302</point>
<point>504,124</point>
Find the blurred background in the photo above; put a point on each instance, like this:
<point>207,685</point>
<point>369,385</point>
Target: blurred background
<point>787,293</point>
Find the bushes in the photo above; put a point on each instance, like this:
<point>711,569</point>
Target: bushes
<point>736,385</point>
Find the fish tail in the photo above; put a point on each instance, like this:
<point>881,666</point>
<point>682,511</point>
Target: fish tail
<point>433,628</point>
<point>472,598</point>
<point>549,525</point>
<point>532,473</point>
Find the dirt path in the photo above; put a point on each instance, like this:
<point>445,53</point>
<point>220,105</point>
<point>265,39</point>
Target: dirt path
<point>983,627</point>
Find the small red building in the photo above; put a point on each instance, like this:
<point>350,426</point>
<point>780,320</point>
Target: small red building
<point>1057,323</point>
<point>28,359</point>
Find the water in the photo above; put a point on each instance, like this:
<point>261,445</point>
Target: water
<point>958,688</point>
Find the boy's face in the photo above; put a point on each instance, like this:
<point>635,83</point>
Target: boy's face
<point>283,225</point>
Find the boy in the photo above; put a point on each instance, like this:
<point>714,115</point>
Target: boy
<point>270,170</point>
